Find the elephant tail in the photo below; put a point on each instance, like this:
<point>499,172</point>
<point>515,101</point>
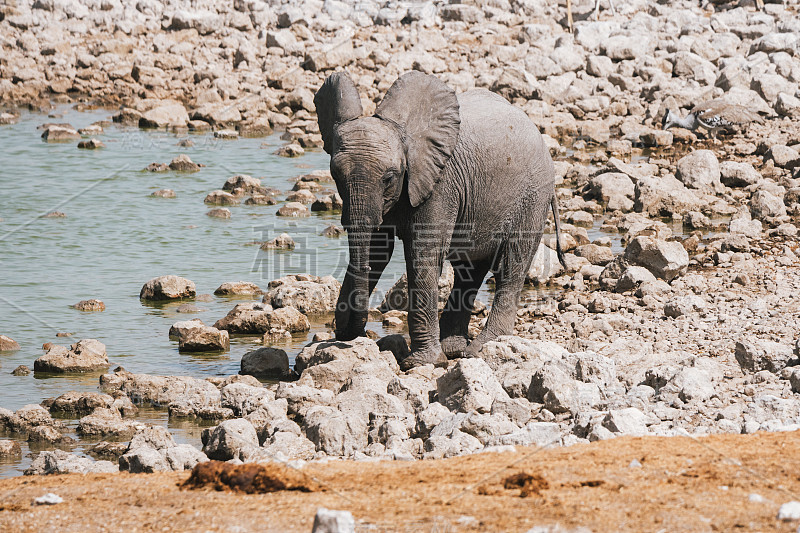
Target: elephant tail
<point>556,221</point>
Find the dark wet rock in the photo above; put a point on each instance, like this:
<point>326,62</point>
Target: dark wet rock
<point>167,288</point>
<point>85,355</point>
<point>266,363</point>
<point>90,305</point>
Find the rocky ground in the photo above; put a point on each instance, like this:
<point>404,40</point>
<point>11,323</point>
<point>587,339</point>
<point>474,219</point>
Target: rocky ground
<point>688,327</point>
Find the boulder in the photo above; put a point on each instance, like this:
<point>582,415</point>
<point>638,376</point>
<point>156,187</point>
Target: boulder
<point>334,432</point>
<point>329,364</point>
<point>60,133</point>
<point>553,386</point>
<point>86,355</point>
<point>665,259</point>
<point>183,163</point>
<point>167,288</point>
<point>231,439</point>
<point>699,170</point>
<point>106,422</point>
<point>308,294</point>
<point>764,205</point>
<point>756,355</point>
<point>220,197</point>
<point>152,449</point>
<point>544,267</point>
<point>242,184</point>
<point>266,363</point>
<point>257,318</point>
<point>738,174</point>
<point>9,448</point>
<point>470,386</point>
<point>168,113</point>
<point>204,339</point>
<point>614,190</point>
<point>293,209</point>
<point>628,421</point>
<point>74,402</point>
<point>90,305</point>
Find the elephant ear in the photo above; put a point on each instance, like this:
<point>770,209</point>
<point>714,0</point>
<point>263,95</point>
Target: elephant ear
<point>337,101</point>
<point>427,111</point>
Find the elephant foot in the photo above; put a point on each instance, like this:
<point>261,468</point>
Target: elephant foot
<point>434,357</point>
<point>454,346</point>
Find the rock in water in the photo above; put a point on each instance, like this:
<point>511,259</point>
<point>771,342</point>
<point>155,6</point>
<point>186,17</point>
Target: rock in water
<point>167,288</point>
<point>204,339</point>
<point>265,363</point>
<point>85,355</point>
<point>8,344</point>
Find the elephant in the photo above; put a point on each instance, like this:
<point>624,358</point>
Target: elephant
<point>465,178</point>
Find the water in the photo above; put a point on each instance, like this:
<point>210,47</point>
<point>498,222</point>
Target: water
<point>116,237</point>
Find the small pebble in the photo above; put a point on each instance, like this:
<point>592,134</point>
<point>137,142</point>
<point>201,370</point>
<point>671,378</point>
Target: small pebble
<point>789,511</point>
<point>756,498</point>
<point>48,499</point>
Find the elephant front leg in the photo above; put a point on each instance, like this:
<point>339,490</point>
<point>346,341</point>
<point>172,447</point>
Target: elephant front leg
<point>424,266</point>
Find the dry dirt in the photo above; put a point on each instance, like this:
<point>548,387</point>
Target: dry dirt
<point>683,484</point>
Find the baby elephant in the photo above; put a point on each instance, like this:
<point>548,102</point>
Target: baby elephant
<point>464,177</point>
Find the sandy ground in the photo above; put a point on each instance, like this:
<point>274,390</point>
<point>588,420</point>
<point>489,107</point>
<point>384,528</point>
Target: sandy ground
<point>683,484</point>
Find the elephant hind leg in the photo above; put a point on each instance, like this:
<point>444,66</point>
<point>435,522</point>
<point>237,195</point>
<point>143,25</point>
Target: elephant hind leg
<point>454,323</point>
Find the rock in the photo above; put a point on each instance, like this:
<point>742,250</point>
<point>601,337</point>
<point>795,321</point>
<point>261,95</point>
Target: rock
<point>75,403</point>
<point>48,499</point>
<point>330,521</point>
<point>329,364</point>
<point>553,386</point>
<point>629,421</point>
<point>789,511</point>
<point>152,449</point>
<point>91,144</point>
<point>8,344</point>
<point>293,209</point>
<point>334,432</point>
<point>204,339</point>
<point>665,259</point>
<point>699,170</point>
<point>596,255</point>
<point>221,212</point>
<point>9,448</point>
<point>330,202</point>
<point>183,163</point>
<point>231,439</point>
<point>90,305</point>
<point>306,293</point>
<point>205,22</point>
<point>21,370</point>
<point>633,277</point>
<point>290,150</point>
<point>736,174</point>
<point>787,105</point>
<point>161,391</point>
<point>396,298</point>
<point>783,156</point>
<point>167,288</point>
<point>757,355</point>
<point>218,114</point>
<point>242,184</point>
<point>103,421</point>
<point>266,363</point>
<point>257,318</point>
<point>60,133</point>
<point>238,288</point>
<point>470,386</point>
<point>665,196</point>
<point>167,113</point>
<point>614,190</point>
<point>86,355</point>
<point>684,305</point>
<point>282,242</point>
<point>764,205</point>
<point>333,231</point>
<point>261,199</point>
<point>220,197</point>
<point>61,462</point>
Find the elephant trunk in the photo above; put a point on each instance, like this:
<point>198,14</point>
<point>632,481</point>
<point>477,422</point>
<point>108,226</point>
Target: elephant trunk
<point>352,309</point>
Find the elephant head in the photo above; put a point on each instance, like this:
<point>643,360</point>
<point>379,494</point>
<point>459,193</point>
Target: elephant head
<point>397,153</point>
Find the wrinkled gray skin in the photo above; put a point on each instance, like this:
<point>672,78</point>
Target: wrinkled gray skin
<point>465,178</point>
